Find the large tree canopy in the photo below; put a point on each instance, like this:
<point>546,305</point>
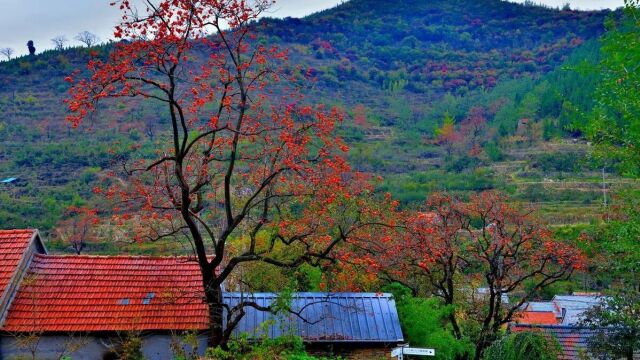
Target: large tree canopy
<point>244,167</point>
<point>453,247</point>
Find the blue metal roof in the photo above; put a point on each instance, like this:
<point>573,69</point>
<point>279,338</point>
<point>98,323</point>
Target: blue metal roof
<point>573,316</point>
<point>573,306</point>
<point>578,302</point>
<point>8,180</point>
<point>323,317</point>
<point>539,306</point>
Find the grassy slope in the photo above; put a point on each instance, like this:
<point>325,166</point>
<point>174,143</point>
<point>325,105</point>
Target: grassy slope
<point>407,64</point>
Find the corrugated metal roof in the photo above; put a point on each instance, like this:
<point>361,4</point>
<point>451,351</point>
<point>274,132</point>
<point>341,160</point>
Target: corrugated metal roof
<point>325,317</point>
<point>578,301</point>
<point>571,307</point>
<point>573,340</point>
<point>573,316</point>
<point>541,306</point>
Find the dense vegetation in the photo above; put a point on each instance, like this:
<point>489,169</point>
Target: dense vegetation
<point>433,47</point>
<point>462,96</point>
<point>397,71</point>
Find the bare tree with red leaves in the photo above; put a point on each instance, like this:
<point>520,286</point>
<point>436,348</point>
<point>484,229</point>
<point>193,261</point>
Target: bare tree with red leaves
<point>248,167</point>
<point>360,116</point>
<point>472,128</point>
<point>79,227</point>
<point>453,246</point>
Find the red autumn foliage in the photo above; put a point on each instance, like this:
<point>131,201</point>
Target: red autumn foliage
<point>78,229</point>
<point>360,116</point>
<point>454,246</point>
<point>246,161</point>
<point>474,126</point>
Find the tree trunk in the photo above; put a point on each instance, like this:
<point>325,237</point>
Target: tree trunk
<point>479,349</point>
<point>454,324</point>
<point>450,269</point>
<point>483,342</point>
<point>215,300</point>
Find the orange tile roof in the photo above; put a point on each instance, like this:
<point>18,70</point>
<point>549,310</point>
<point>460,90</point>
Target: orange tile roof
<point>536,318</point>
<point>117,293</point>
<point>13,244</point>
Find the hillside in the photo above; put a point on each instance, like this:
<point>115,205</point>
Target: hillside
<point>435,47</point>
<point>399,71</point>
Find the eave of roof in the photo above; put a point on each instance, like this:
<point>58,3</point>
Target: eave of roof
<point>17,248</point>
<point>13,244</point>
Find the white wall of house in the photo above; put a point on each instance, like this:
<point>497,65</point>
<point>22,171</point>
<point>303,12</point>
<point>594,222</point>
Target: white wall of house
<point>82,347</point>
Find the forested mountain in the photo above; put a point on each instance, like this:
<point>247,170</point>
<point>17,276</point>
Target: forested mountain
<point>435,47</point>
<point>457,95</point>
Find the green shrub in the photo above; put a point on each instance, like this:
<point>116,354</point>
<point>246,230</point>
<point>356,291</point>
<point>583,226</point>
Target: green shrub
<point>560,162</point>
<point>494,152</point>
<point>425,324</point>
<point>132,348</point>
<point>282,348</point>
<point>524,346</point>
<point>462,163</point>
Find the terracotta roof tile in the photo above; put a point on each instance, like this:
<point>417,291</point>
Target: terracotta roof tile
<point>536,317</point>
<point>13,244</point>
<point>124,293</point>
<point>120,293</point>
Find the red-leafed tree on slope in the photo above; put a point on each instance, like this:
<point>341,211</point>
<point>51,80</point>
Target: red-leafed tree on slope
<point>77,229</point>
<point>245,158</point>
<point>455,246</point>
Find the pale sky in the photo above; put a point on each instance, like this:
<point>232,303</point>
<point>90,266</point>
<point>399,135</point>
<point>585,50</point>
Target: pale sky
<point>41,20</point>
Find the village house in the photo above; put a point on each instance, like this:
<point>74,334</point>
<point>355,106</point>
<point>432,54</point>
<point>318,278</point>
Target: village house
<point>85,306</point>
<point>564,310</point>
<point>560,318</point>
